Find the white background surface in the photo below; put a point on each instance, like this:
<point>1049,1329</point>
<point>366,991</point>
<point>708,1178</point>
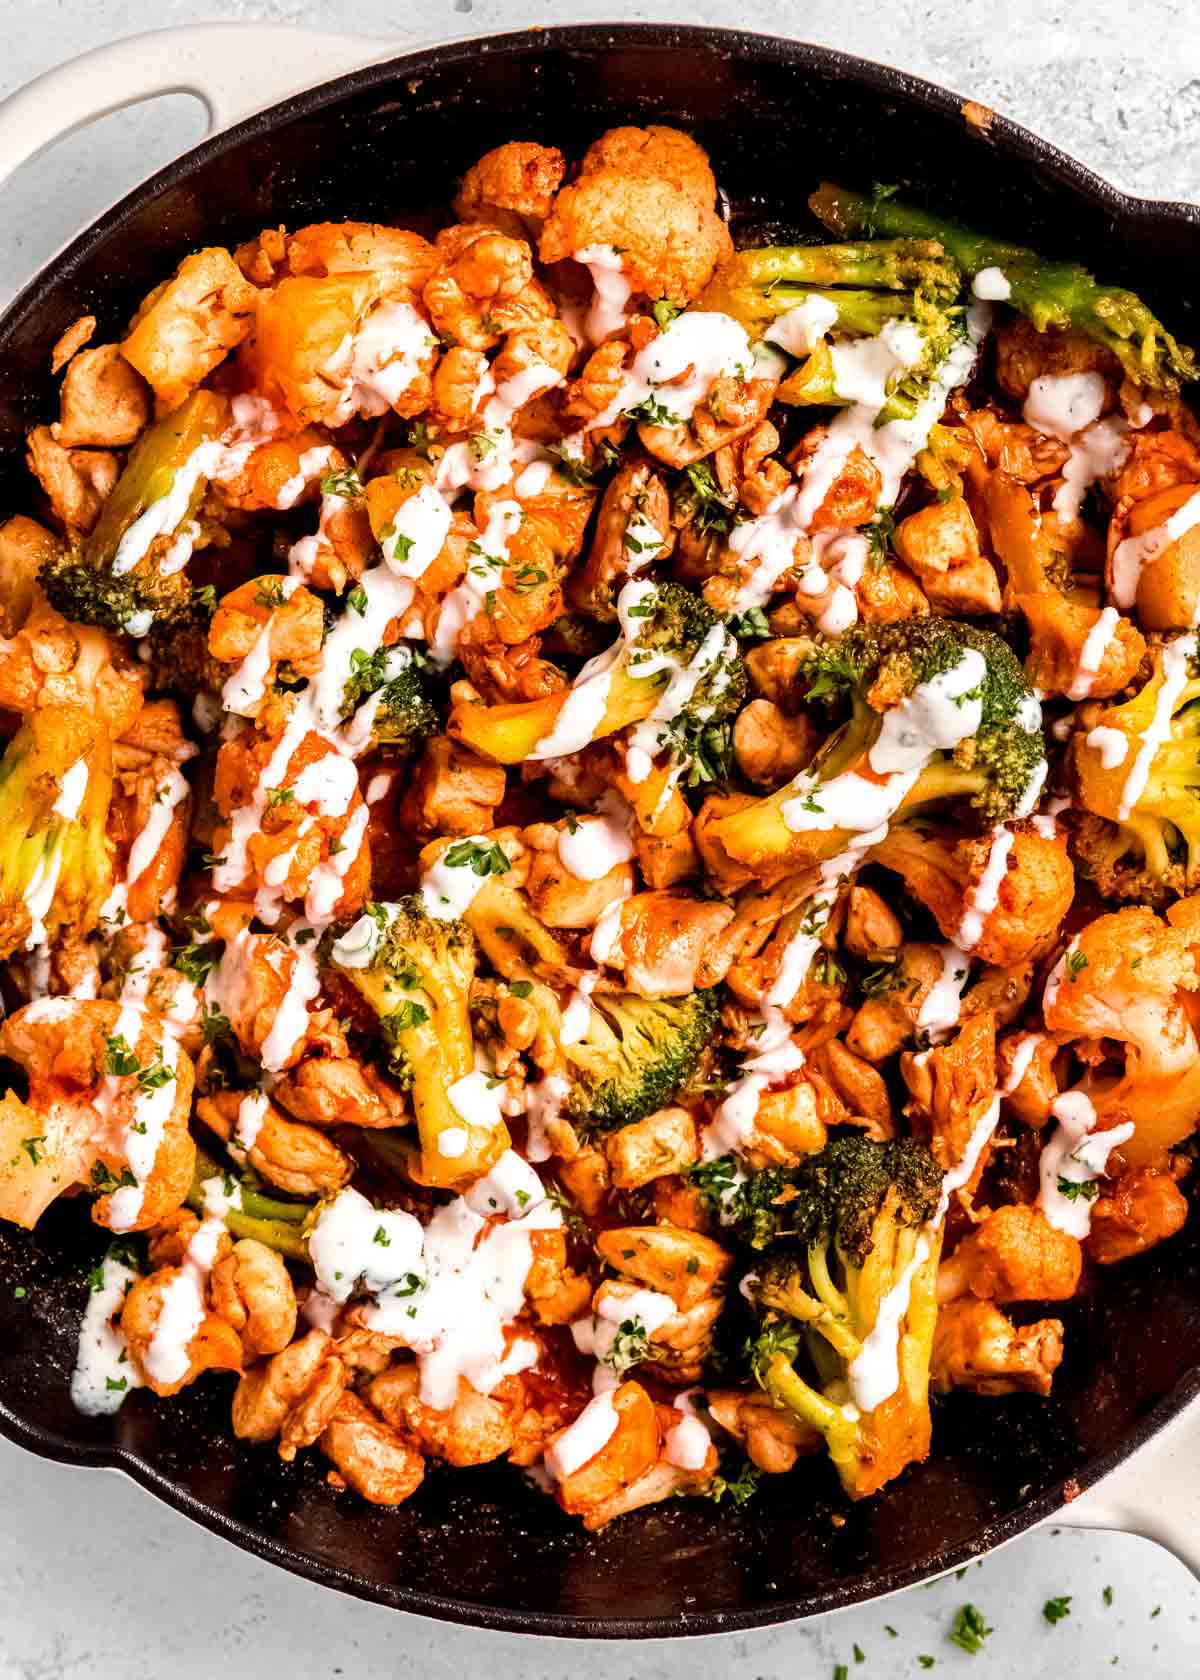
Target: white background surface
<point>101,1583</point>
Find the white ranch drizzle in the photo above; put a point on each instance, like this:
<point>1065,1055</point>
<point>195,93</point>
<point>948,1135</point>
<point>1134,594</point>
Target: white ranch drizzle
<point>1076,1154</point>
<point>103,1373</point>
<point>1175,657</point>
<point>581,1440</point>
<point>984,894</point>
<point>940,1011</point>
<point>610,292</point>
<point>676,370</point>
<point>597,844</point>
<point>802,327</point>
<point>474,1271</point>
<point>1110,745</point>
<point>992,285</point>
<point>770,540</point>
<point>181,1309</point>
<point>1134,553</point>
<point>1091,657</point>
<point>775,1056</point>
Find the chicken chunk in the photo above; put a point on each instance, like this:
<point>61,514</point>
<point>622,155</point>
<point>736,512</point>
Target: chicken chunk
<point>104,401</point>
<point>976,1347</point>
<point>76,481</point>
<point>1143,1207</point>
<point>453,791</point>
<point>668,945</point>
<point>475,1430</point>
<point>369,1456</point>
<point>293,1395</point>
<point>189,324</point>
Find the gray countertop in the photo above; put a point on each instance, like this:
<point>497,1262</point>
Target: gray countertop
<point>102,1583</point>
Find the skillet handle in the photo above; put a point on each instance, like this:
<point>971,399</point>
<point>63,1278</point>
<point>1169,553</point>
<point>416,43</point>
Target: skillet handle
<point>234,69</point>
<point>1155,1493</point>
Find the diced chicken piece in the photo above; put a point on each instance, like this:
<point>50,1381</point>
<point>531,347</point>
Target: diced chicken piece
<point>189,324</point>
<point>1144,1207</point>
<point>76,481</point>
<point>370,1457</point>
<point>976,1347</point>
<point>652,1148</point>
<point>104,401</point>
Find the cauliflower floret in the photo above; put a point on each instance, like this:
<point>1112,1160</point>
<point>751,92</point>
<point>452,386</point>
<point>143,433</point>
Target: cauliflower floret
<point>1014,1255</point>
<point>1033,895</point>
<point>1128,977</point>
<point>649,193</point>
<point>512,186</point>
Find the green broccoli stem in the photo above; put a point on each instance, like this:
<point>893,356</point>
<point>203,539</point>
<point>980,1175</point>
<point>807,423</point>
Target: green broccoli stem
<point>1050,294</point>
<point>895,265</point>
<point>778,1377</point>
<point>276,1224</point>
<point>860,314</point>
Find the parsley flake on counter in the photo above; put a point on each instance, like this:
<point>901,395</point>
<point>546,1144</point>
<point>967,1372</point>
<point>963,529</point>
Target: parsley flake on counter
<point>969,1630</point>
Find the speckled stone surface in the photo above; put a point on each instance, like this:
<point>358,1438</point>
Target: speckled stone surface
<point>100,1582</point>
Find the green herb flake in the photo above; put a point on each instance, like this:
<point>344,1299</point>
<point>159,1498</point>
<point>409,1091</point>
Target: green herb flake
<point>1055,1609</point>
<point>969,1630</point>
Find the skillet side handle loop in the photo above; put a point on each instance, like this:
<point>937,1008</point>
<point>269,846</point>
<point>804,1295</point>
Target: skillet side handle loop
<point>234,69</point>
<point>1155,1493</point>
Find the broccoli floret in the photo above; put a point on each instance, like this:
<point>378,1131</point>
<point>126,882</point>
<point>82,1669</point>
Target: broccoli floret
<point>1150,851</point>
<point>390,690</point>
<point>865,673</point>
<point>670,637</point>
<point>866,286</point>
<point>415,970</point>
<point>853,1226</point>
<point>115,579</point>
<point>55,860</point>
<point>1050,294</point>
<point>636,1054</point>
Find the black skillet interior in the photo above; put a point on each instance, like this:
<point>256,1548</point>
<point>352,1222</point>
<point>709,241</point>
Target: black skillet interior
<point>479,1547</point>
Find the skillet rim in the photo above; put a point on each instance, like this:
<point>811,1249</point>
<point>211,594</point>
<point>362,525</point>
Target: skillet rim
<point>1020,145</point>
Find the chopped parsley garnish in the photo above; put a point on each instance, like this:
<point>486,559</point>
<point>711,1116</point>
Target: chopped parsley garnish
<point>342,481</point>
<point>155,1076</point>
<point>521,988</point>
<point>407,1014</point>
<point>482,857</point>
<point>381,1237</point>
<point>751,625</point>
<point>119,1059</point>
<point>1074,1192</point>
<point>1055,1609</point>
<point>279,796</point>
<point>1076,962</point>
<point>653,413</point>
<point>969,1630</point>
<point>34,1147</point>
<point>105,1182</point>
<point>357,599</point>
<point>629,1346</point>
<point>664,312</point>
<point>879,537</point>
<point>270,593</point>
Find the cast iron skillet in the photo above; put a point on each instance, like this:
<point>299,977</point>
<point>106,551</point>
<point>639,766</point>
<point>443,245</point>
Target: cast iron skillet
<point>478,1546</point>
